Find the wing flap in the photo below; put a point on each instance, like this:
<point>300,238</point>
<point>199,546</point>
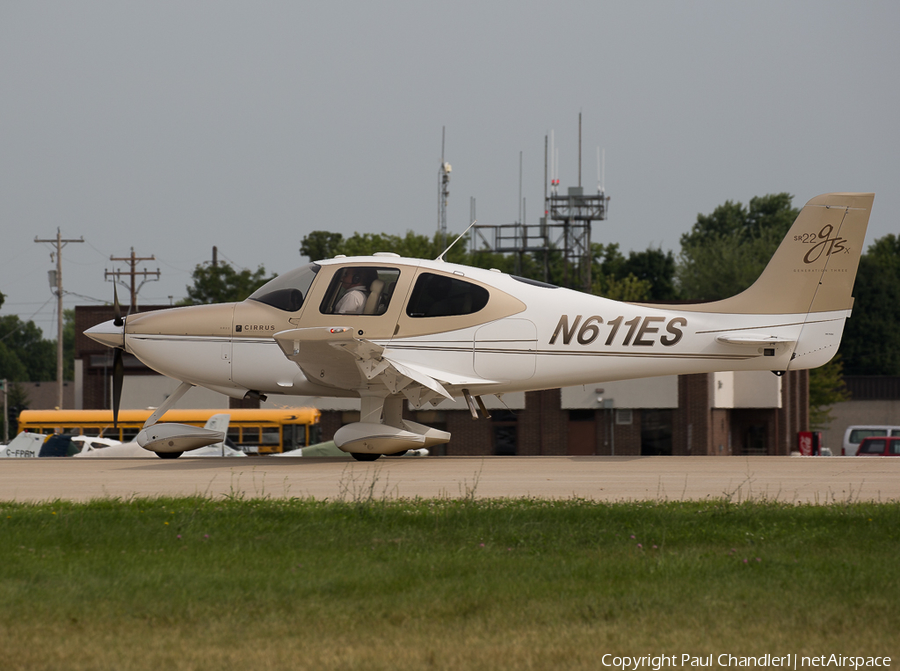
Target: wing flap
<point>452,379</point>
<point>337,357</point>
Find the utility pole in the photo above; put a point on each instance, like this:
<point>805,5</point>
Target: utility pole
<point>60,243</point>
<point>133,272</point>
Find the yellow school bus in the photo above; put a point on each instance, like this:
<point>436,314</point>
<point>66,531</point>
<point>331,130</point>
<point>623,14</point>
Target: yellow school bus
<point>261,431</point>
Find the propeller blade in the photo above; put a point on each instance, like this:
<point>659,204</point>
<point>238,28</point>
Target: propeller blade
<point>118,377</point>
<point>117,311</point>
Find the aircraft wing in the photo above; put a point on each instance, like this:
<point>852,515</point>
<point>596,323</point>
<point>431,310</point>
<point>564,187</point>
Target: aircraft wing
<point>339,358</point>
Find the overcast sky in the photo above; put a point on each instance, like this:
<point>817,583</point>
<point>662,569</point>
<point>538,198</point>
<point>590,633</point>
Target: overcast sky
<point>171,127</point>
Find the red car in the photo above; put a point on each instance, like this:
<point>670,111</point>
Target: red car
<point>879,447</point>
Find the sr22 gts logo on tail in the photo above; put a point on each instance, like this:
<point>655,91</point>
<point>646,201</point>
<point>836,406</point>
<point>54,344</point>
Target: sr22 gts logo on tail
<point>822,243</point>
<point>641,331</point>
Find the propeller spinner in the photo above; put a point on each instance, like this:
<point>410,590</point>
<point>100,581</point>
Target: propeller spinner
<point>112,334</point>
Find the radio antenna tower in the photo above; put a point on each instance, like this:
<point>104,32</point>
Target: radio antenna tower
<point>443,191</point>
<point>565,226</point>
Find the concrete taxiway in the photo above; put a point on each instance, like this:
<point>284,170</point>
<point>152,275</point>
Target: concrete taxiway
<point>786,479</point>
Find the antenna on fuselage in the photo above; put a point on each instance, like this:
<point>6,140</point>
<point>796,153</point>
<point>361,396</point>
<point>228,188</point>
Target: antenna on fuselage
<point>441,255</point>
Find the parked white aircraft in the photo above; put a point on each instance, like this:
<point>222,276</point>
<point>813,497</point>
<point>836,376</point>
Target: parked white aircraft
<point>31,445</point>
<point>25,445</point>
<point>429,330</point>
<point>114,449</point>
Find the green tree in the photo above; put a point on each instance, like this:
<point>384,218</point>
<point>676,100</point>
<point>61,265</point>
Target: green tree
<point>24,354</point>
<point>611,278</point>
<point>503,262</point>
<point>826,387</point>
<point>223,284</point>
<point>606,259</point>
<point>16,402</point>
<point>726,251</point>
<point>871,342</point>
<point>628,288</point>
<point>10,366</point>
<point>320,245</point>
<point>655,267</point>
<point>323,244</point>
<point>647,275</point>
<point>641,276</point>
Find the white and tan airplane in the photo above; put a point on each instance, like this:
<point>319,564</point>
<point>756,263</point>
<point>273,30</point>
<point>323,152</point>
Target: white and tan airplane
<point>430,330</point>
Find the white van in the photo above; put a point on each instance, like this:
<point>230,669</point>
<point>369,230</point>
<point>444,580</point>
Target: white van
<point>854,435</point>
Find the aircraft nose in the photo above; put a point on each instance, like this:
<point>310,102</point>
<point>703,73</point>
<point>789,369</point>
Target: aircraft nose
<point>108,333</point>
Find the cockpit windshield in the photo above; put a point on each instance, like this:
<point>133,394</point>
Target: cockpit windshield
<point>287,291</point>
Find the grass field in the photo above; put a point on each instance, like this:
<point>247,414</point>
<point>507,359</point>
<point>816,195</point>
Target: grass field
<point>293,584</point>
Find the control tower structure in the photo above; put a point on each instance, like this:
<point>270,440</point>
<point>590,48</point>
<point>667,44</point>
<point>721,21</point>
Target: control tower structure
<point>565,229</point>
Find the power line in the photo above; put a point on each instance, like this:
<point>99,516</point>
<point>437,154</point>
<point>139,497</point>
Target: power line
<point>149,275</point>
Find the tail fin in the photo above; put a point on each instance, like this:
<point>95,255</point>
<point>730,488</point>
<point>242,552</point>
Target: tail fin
<point>814,268</point>
<point>219,422</point>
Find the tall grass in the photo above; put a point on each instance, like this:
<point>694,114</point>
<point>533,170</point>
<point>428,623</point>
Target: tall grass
<point>198,583</point>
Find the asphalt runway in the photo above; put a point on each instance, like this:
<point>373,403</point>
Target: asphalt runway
<point>787,479</point>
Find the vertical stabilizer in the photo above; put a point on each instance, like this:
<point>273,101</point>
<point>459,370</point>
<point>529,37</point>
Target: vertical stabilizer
<point>219,423</point>
<point>814,268</point>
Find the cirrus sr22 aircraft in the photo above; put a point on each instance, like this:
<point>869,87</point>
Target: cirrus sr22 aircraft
<point>430,330</point>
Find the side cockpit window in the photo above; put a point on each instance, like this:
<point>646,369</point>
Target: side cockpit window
<point>286,292</point>
<point>442,296</point>
<point>360,290</point>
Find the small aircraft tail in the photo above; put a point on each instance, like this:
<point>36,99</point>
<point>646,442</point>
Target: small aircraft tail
<point>814,268</point>
<point>218,422</point>
<point>26,444</point>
